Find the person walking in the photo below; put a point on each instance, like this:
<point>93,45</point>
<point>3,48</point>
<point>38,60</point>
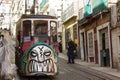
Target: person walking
<point>71,49</point>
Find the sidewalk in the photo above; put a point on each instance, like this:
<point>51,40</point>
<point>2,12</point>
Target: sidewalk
<point>107,70</point>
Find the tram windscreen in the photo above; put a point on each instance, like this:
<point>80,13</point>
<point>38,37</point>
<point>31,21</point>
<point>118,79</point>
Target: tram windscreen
<point>40,31</point>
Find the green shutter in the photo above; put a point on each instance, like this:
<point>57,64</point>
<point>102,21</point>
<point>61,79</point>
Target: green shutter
<point>87,10</point>
<point>99,5</point>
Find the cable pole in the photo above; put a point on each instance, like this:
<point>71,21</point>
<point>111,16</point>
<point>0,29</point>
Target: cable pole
<point>25,6</point>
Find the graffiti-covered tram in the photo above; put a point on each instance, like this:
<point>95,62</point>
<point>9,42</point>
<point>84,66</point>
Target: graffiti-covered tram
<point>36,45</point>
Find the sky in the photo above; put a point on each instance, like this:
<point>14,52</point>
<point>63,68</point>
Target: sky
<point>5,9</point>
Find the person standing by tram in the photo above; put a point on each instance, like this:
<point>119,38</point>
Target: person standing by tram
<point>71,48</point>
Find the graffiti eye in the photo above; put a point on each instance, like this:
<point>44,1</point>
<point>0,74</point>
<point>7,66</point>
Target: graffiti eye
<point>47,53</point>
<point>33,54</point>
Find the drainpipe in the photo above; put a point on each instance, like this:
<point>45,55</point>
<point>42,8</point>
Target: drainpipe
<point>110,35</point>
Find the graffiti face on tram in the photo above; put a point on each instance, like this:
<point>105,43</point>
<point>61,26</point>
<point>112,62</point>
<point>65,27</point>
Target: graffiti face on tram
<point>41,59</point>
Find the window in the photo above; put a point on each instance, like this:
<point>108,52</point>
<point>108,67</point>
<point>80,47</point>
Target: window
<point>40,30</point>
<point>27,28</point>
<point>40,27</point>
<point>75,31</point>
<point>90,39</point>
<point>67,35</point>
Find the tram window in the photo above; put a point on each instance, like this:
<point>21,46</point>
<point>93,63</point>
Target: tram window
<point>40,27</point>
<point>40,30</point>
<point>26,30</point>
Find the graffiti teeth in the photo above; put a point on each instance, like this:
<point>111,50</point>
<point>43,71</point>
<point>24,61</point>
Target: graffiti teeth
<point>40,66</point>
<point>50,66</point>
<point>45,63</point>
<point>46,66</point>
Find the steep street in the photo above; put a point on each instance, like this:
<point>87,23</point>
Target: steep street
<point>66,71</point>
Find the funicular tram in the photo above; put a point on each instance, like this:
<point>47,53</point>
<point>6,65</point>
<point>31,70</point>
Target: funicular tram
<point>36,45</point>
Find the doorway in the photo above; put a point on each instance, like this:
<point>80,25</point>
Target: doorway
<point>82,41</point>
<point>104,48</point>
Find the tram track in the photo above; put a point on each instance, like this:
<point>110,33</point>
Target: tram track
<point>94,76</point>
<point>88,75</point>
<point>85,72</point>
<point>91,74</point>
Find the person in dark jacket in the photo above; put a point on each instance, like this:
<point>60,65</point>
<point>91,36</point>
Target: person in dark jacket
<point>60,47</point>
<point>71,48</point>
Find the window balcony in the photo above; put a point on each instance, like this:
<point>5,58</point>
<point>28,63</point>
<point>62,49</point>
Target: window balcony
<point>70,12</point>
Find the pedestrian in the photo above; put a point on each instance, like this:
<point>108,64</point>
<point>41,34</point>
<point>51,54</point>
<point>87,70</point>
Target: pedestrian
<point>60,47</point>
<point>71,48</point>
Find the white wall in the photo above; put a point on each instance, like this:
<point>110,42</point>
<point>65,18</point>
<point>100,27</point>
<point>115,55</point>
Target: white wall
<point>116,45</point>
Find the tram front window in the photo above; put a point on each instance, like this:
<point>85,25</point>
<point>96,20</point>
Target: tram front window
<point>27,30</point>
<point>40,31</point>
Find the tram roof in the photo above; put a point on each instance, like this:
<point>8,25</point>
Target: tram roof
<point>38,16</point>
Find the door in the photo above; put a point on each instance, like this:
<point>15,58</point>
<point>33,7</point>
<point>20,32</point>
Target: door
<point>104,47</point>
<point>82,41</point>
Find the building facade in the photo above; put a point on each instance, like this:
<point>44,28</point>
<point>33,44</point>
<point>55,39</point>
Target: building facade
<point>115,32</point>
<point>95,33</point>
<point>69,22</point>
<point>99,32</point>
